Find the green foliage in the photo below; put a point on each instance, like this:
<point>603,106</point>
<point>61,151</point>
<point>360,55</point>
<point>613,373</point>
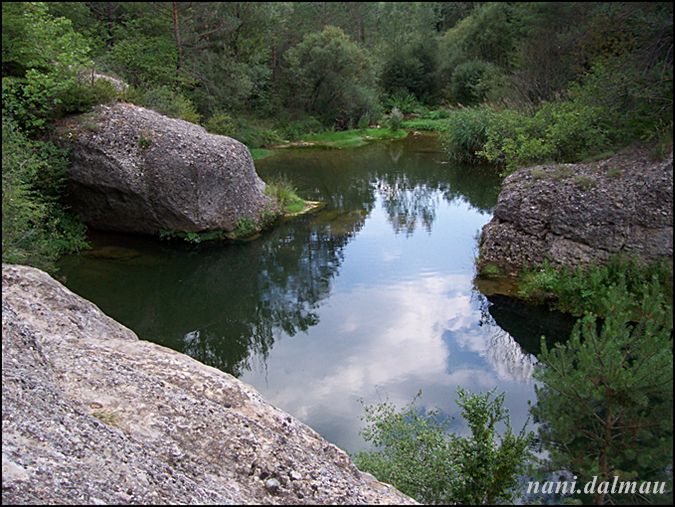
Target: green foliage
<point>472,81</point>
<point>490,270</point>
<point>417,455</point>
<point>352,138</point>
<point>244,228</point>
<point>41,56</point>
<point>144,59</point>
<point>363,122</point>
<point>36,228</point>
<point>405,102</point>
<point>412,70</point>
<point>144,142</point>
<point>193,237</point>
<point>297,129</point>
<point>81,97</point>
<point>605,402</point>
<point>331,77</point>
<point>222,124</point>
<point>168,102</point>
<point>586,289</point>
<point>465,133</point>
<point>395,120</point>
<point>560,132</point>
<point>284,193</point>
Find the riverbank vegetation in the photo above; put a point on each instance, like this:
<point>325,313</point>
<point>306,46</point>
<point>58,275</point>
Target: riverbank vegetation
<point>508,84</point>
<point>416,452</point>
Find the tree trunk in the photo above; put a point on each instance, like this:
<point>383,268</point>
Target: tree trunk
<point>176,33</point>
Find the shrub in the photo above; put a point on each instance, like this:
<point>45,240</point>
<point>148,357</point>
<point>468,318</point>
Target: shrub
<point>81,97</point>
<point>618,375</point>
<point>296,129</point>
<point>585,289</point>
<point>395,120</point>
<point>363,123</point>
<point>331,77</point>
<point>222,124</point>
<point>465,133</point>
<point>403,101</point>
<point>36,228</point>
<point>244,228</point>
<point>472,81</point>
<point>417,455</point>
<point>168,102</point>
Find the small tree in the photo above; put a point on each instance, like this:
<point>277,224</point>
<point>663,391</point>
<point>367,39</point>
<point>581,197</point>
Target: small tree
<point>331,77</point>
<point>417,455</point>
<point>606,400</point>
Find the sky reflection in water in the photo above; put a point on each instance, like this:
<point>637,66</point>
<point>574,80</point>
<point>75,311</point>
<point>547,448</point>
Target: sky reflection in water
<point>371,298</point>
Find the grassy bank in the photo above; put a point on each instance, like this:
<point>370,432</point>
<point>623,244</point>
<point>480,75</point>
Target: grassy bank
<point>346,138</point>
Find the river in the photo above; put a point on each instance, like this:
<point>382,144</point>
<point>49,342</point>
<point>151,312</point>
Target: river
<point>371,298</point>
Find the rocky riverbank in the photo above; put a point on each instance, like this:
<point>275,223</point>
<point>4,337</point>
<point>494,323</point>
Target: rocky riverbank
<point>575,214</point>
<point>93,415</point>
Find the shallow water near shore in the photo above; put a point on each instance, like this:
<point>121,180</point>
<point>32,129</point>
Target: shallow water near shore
<point>368,299</point>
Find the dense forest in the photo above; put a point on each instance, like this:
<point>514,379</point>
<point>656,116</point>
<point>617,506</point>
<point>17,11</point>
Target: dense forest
<point>506,84</point>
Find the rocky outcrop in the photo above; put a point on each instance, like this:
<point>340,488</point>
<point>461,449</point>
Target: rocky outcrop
<point>575,214</point>
<point>136,170</point>
<point>91,414</point>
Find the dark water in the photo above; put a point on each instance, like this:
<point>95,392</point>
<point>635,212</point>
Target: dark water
<point>371,298</point>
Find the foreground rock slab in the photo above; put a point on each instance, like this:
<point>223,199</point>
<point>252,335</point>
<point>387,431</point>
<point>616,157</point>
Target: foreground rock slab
<point>136,170</point>
<point>574,214</point>
<point>93,415</point>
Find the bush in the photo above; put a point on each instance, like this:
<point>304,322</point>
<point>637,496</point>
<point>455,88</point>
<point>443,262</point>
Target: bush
<point>561,132</point>
<point>297,129</point>
<point>331,77</point>
<point>617,375</point>
<point>465,134</point>
<point>403,101</point>
<point>166,101</point>
<point>221,124</point>
<point>472,81</point>
<point>36,228</point>
<point>585,289</point>
<point>395,120</point>
<point>81,97</point>
<point>417,455</point>
<point>363,123</point>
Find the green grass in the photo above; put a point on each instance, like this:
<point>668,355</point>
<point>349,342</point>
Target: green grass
<point>284,193</point>
<point>260,153</point>
<point>353,138</point>
<point>426,124</point>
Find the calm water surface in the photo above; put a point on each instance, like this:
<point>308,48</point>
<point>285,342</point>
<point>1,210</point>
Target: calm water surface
<point>369,299</point>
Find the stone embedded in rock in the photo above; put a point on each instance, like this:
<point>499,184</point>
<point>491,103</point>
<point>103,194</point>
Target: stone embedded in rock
<point>136,170</point>
<point>574,214</point>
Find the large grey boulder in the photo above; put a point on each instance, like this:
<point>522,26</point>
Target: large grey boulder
<point>93,415</point>
<point>136,170</point>
<point>575,214</point>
